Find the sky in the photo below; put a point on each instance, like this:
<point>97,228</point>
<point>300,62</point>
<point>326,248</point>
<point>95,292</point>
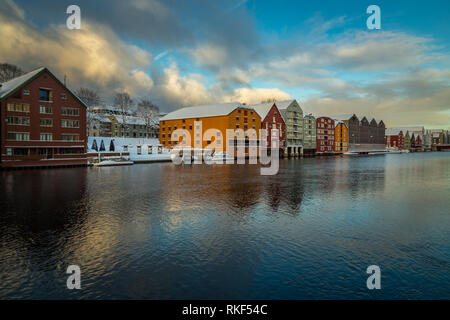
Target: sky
<point>183,53</point>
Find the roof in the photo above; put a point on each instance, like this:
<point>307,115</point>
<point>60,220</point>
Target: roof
<point>211,110</point>
<point>281,105</point>
<point>263,108</point>
<point>393,131</point>
<point>131,120</point>
<point>11,85</point>
<point>410,129</point>
<point>342,117</point>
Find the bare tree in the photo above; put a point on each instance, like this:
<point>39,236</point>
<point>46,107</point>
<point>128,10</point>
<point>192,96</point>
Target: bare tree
<point>91,99</point>
<point>148,111</point>
<point>88,96</point>
<point>9,71</point>
<point>124,103</point>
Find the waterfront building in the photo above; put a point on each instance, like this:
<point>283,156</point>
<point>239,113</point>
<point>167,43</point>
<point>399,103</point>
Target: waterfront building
<point>325,135</point>
<point>215,119</point>
<point>340,137</point>
<point>438,136</point>
<point>413,141</point>
<point>352,123</point>
<point>407,141</point>
<point>271,119</point>
<point>381,133</point>
<point>364,131</point>
<point>416,130</point>
<point>394,138</point>
<point>309,134</point>
<point>42,122</point>
<point>363,136</point>
<point>418,142</point>
<point>427,139</point>
<point>292,114</point>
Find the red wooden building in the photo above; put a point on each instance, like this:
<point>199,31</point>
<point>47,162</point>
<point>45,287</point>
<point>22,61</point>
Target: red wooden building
<point>324,135</point>
<point>271,119</point>
<point>42,122</point>
<point>394,138</point>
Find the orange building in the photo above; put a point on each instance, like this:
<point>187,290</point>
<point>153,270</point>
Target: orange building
<point>340,137</point>
<point>206,126</point>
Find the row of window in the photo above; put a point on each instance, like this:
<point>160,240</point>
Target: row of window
<point>25,107</point>
<point>44,122</point>
<point>25,136</point>
<point>40,151</point>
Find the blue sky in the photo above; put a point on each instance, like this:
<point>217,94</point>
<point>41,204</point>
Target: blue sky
<point>181,53</point>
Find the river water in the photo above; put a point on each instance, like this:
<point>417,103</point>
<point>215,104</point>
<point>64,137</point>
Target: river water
<point>161,231</point>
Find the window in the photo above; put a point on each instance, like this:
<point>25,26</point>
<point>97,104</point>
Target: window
<point>45,95</point>
<point>21,151</point>
<point>26,92</point>
<point>70,111</point>
<point>18,107</point>
<point>70,137</point>
<point>19,136</point>
<point>125,148</point>
<point>46,137</point>
<point>18,121</point>
<point>8,151</point>
<point>45,109</point>
<point>70,123</point>
<point>150,149</point>
<point>68,151</point>
<point>139,150</point>
<point>46,122</point>
<point>63,96</point>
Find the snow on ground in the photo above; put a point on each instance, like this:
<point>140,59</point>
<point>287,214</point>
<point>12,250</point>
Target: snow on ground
<point>137,147</point>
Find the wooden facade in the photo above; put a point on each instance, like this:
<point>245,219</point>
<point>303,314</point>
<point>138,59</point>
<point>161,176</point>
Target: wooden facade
<point>341,137</point>
<point>210,129</point>
<point>42,122</point>
<point>325,135</point>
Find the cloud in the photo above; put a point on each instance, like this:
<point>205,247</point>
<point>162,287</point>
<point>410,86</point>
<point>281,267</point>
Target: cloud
<point>93,56</point>
<point>218,55</point>
<point>176,91</point>
<point>209,55</point>
<point>256,95</point>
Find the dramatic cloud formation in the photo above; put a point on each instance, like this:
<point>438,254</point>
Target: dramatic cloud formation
<point>179,53</point>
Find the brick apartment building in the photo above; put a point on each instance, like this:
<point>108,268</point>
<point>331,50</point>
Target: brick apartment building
<point>42,123</point>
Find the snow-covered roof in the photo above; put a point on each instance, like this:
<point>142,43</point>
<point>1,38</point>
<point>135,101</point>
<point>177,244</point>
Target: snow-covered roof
<point>9,86</point>
<point>98,117</point>
<point>263,108</point>
<point>211,110</point>
<point>410,129</point>
<point>393,131</point>
<point>281,105</point>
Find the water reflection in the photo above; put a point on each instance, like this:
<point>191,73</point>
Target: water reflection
<point>225,231</point>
